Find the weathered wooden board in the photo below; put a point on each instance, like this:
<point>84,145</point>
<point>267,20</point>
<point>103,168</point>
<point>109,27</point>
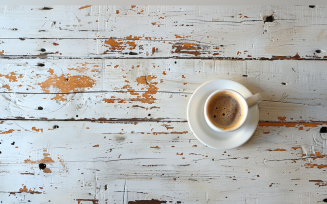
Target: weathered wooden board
<point>243,32</point>
<point>93,103</point>
<point>154,89</point>
<point>163,162</point>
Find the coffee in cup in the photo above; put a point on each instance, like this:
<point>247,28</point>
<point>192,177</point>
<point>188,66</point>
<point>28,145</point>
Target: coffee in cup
<point>226,110</point>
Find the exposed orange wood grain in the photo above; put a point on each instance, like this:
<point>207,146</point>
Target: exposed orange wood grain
<point>12,76</point>
<point>66,84</point>
<point>7,132</point>
<point>51,71</point>
<point>37,130</point>
<point>297,56</point>
<point>278,149</point>
<point>281,118</point>
<point>292,124</point>
<point>83,7</point>
<point>26,190</point>
<point>320,166</point>
<point>47,170</point>
<point>44,160</point>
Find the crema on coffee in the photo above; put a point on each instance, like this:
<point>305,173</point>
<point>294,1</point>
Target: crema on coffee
<point>224,110</point>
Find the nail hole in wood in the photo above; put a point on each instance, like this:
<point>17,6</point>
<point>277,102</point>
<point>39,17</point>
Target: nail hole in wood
<point>132,53</point>
<point>245,75</point>
<point>40,108</point>
<point>283,83</point>
<point>312,6</point>
<point>149,114</point>
<point>55,126</point>
<point>318,51</point>
<point>67,79</point>
<point>175,62</point>
<point>268,18</point>
<point>13,143</point>
<point>14,29</point>
<point>43,50</point>
<point>76,116</point>
<point>325,200</point>
<point>40,64</point>
<point>323,130</point>
<point>0,152</point>
<point>42,166</point>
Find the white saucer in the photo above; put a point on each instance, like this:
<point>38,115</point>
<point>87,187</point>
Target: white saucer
<point>206,135</point>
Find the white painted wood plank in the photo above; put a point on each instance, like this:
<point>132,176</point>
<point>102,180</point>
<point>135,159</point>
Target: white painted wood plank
<point>164,31</point>
<point>113,89</point>
<point>126,165</point>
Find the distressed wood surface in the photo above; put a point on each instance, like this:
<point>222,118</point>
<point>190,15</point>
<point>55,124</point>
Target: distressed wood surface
<point>238,32</point>
<point>93,103</point>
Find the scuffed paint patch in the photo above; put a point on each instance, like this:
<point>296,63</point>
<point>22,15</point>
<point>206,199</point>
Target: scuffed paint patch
<point>114,45</point>
<point>297,56</point>
<point>11,76</point>
<point>281,118</point>
<point>47,171</point>
<point>66,84</point>
<point>6,86</point>
<point>186,48</point>
<point>44,160</point>
<point>147,97</point>
<point>26,190</point>
<point>278,149</point>
<point>8,131</point>
<point>319,166</point>
<point>84,7</point>
<point>37,130</point>
<point>79,69</point>
<point>51,71</point>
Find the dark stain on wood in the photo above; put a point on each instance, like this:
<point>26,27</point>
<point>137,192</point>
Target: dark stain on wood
<point>153,201</point>
<point>268,18</point>
<point>27,173</point>
<point>316,181</point>
<point>46,8</point>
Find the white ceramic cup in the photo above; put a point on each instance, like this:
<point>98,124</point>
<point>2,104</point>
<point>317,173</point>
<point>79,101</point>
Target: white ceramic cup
<point>245,104</point>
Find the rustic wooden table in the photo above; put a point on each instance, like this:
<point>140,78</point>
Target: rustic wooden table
<point>93,103</point>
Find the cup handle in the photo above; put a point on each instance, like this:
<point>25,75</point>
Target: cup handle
<point>254,100</point>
